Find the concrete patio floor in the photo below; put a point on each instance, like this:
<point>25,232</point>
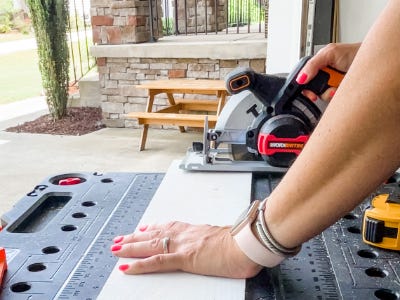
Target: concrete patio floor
<point>26,159</point>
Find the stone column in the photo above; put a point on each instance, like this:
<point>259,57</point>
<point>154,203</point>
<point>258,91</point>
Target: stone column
<point>117,22</point>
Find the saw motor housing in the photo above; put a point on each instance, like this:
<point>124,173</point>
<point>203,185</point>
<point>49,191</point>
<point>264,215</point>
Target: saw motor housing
<point>280,139</point>
<point>280,131</point>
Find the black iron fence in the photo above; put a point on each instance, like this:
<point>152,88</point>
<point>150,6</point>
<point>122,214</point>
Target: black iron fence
<point>211,16</point>
<point>177,17</point>
<point>80,40</point>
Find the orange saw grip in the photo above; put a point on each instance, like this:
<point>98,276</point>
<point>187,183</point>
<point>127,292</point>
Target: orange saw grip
<point>326,78</point>
<point>335,76</point>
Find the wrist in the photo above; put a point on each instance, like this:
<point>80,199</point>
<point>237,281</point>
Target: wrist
<point>253,237</point>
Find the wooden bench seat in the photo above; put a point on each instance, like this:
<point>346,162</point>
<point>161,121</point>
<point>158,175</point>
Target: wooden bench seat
<point>177,119</point>
<point>197,105</point>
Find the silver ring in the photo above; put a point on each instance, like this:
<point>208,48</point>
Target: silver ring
<point>165,244</point>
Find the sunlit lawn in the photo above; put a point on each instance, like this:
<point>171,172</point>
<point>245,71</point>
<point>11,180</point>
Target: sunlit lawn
<point>20,77</point>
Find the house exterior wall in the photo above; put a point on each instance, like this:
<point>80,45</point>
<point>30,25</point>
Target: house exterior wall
<point>120,28</point>
<point>118,77</point>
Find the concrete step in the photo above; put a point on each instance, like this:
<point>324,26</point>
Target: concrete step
<point>89,92</point>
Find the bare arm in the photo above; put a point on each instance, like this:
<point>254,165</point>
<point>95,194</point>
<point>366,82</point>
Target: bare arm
<point>355,147</point>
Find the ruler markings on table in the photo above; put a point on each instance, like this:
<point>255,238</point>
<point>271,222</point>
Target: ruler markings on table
<point>85,254</point>
<point>86,279</point>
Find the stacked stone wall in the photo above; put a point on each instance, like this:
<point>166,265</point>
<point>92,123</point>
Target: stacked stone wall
<point>118,77</point>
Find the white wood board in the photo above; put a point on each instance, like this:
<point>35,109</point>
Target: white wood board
<point>199,198</point>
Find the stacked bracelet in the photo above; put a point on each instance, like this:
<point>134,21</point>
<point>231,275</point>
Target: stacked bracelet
<point>267,239</point>
<point>255,240</point>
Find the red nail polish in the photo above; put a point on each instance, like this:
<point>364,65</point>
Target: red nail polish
<point>143,228</point>
<point>118,239</point>
<point>313,98</point>
<point>332,93</point>
<point>116,247</point>
<point>123,268</point>
<point>301,78</point>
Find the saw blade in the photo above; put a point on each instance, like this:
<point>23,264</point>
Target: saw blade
<point>240,152</point>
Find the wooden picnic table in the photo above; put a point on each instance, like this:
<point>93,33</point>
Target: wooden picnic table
<point>181,112</point>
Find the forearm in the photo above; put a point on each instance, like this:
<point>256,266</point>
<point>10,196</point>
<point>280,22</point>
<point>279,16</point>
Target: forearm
<point>354,148</point>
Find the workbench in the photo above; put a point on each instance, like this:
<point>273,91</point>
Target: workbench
<point>58,239</point>
<point>181,112</point>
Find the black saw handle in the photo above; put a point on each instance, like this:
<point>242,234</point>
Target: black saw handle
<point>326,78</point>
<point>264,87</point>
<point>274,91</point>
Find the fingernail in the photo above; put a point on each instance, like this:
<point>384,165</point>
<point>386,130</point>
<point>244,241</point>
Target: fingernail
<point>116,248</point>
<point>123,268</point>
<point>301,78</point>
<point>332,93</point>
<point>143,228</point>
<point>118,239</point>
<point>313,98</point>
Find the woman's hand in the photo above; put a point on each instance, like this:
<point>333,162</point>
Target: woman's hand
<point>200,249</point>
<point>338,56</point>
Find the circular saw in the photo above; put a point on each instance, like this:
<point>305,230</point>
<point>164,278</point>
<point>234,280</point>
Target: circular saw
<point>264,125</point>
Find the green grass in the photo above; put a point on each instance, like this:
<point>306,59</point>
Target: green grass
<point>19,76</point>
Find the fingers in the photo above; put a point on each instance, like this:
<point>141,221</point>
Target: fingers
<point>147,241</point>
<point>311,68</point>
<point>310,95</point>
<point>156,263</point>
<point>326,96</point>
<point>327,56</point>
<point>337,55</point>
<point>144,233</point>
<point>137,237</point>
<point>148,244</point>
<point>141,249</point>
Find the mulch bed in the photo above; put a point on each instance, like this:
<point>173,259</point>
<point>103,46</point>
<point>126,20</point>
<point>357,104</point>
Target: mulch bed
<point>78,121</point>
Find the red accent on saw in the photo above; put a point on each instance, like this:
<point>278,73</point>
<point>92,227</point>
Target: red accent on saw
<point>3,264</point>
<point>70,181</point>
<point>269,144</point>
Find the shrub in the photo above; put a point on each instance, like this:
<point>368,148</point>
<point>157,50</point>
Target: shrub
<point>6,14</point>
<point>50,21</point>
<point>4,28</point>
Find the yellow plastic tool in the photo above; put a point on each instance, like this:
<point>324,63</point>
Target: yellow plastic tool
<point>381,222</point>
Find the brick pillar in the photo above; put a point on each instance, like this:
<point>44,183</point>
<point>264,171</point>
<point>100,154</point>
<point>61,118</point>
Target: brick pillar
<point>117,22</point>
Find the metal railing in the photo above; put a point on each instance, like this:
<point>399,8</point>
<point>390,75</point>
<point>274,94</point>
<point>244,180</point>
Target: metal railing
<point>212,16</point>
<point>80,40</point>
